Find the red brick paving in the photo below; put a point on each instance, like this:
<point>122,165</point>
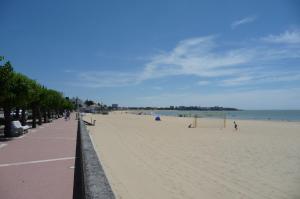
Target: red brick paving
<point>40,180</point>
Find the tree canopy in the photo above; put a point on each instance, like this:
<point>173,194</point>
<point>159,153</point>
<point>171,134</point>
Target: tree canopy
<point>19,91</point>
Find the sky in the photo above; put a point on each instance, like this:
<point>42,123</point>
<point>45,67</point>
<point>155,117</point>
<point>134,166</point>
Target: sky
<point>242,54</point>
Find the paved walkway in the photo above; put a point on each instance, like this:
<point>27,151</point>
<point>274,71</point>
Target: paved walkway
<point>39,164</point>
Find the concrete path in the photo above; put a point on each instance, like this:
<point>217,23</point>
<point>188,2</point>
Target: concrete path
<point>39,164</point>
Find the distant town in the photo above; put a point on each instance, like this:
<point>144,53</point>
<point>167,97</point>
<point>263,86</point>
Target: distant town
<point>96,107</point>
<point>185,108</point>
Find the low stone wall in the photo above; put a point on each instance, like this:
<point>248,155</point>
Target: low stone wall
<point>90,181</point>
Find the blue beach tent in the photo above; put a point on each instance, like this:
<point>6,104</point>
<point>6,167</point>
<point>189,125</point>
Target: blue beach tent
<point>157,118</point>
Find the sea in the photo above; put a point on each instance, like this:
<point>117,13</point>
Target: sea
<point>273,115</point>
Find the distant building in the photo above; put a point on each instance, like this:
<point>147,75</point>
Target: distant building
<point>114,106</point>
<point>95,108</point>
<point>77,102</point>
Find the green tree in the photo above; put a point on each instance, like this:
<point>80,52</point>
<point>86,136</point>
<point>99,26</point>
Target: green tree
<point>6,93</point>
<point>21,89</point>
<point>68,105</point>
<point>17,91</point>
<point>45,103</point>
<point>89,102</point>
<point>35,93</point>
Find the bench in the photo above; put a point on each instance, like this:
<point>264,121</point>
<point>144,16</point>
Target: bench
<point>17,128</point>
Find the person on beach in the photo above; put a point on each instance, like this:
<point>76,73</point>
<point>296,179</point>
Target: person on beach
<point>65,115</point>
<point>68,115</point>
<point>235,125</point>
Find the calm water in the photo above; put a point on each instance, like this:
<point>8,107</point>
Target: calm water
<point>286,115</point>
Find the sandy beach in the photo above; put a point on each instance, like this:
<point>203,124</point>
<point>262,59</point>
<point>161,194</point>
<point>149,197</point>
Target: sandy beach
<point>146,159</point>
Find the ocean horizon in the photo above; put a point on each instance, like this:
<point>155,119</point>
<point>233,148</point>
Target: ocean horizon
<point>272,115</point>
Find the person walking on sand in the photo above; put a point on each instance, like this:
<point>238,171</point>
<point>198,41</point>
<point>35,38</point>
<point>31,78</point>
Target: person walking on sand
<point>235,125</point>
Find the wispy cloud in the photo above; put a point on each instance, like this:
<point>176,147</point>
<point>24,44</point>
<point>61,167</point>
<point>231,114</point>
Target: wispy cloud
<point>210,61</point>
<point>198,57</point>
<point>203,82</point>
<point>288,37</point>
<point>94,79</point>
<point>202,57</point>
<point>260,99</point>
<point>262,77</point>
<point>159,88</point>
<point>243,21</point>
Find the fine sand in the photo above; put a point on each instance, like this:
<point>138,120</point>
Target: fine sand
<point>146,159</point>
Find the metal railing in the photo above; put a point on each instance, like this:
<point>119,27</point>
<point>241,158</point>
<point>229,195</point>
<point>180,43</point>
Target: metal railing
<point>90,181</point>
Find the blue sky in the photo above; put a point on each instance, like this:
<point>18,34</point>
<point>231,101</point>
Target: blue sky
<point>243,54</point>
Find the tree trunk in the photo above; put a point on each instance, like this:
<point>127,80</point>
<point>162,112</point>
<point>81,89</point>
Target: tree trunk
<point>7,122</point>
<point>49,114</point>
<point>39,116</point>
<point>33,117</point>
<point>45,116</point>
<point>17,117</point>
<point>23,116</point>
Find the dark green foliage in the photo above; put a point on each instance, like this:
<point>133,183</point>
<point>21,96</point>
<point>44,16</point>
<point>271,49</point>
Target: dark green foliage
<point>6,74</point>
<point>17,91</point>
<point>89,102</point>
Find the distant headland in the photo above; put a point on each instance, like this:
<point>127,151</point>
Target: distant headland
<point>92,106</point>
<point>185,108</point>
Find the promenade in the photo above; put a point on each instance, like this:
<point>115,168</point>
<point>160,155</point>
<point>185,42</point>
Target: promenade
<point>39,164</point>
